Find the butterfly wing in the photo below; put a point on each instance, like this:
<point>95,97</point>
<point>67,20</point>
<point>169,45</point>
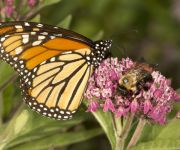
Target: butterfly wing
<point>55,87</point>
<point>23,41</point>
<point>51,63</point>
<point>31,27</point>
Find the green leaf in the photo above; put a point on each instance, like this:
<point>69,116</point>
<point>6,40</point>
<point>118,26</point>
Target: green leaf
<point>21,122</point>
<point>5,72</point>
<point>150,132</point>
<point>48,2</point>
<point>10,95</point>
<point>153,134</point>
<point>37,18</point>
<point>66,22</point>
<point>17,124</point>
<point>58,139</point>
<point>170,131</point>
<point>106,121</point>
<point>40,127</point>
<point>43,123</point>
<point>165,144</point>
<point>42,132</point>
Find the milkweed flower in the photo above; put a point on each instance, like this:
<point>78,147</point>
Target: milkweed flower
<point>152,104</point>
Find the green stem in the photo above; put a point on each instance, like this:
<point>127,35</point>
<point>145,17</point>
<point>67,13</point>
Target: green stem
<point>121,136</point>
<point>118,129</point>
<point>31,14</point>
<point>1,109</point>
<point>137,133</point>
<point>119,143</point>
<point>127,126</point>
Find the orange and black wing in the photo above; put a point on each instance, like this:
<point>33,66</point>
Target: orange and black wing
<point>55,87</point>
<point>53,64</point>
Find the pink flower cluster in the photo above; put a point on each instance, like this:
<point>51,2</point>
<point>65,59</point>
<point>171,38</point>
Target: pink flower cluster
<point>9,7</point>
<point>103,83</point>
<point>102,92</point>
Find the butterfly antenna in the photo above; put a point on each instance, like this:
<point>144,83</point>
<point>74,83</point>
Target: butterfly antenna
<point>122,49</point>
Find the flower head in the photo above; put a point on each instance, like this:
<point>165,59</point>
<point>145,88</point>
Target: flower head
<point>152,99</point>
<point>108,105</point>
<point>93,106</point>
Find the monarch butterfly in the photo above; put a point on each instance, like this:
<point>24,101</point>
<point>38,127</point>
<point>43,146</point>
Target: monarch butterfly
<point>54,65</point>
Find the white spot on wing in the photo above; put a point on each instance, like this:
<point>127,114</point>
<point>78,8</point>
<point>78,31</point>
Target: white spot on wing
<point>36,43</point>
<point>33,33</point>
<point>25,41</point>
<point>25,38</point>
<point>60,35</point>
<point>40,25</point>
<point>62,112</point>
<point>41,37</point>
<point>52,59</point>
<point>52,37</point>
<point>68,52</point>
<point>44,33</point>
<point>35,69</point>
<point>2,39</point>
<point>44,113</point>
<point>68,113</point>
<point>65,117</point>
<point>26,24</point>
<point>18,50</point>
<point>51,110</point>
<point>18,26</point>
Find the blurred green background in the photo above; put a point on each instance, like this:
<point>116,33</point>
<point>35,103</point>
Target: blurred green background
<point>139,29</point>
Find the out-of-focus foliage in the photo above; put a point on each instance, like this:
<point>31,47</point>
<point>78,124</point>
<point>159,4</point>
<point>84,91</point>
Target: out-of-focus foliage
<point>140,29</point>
<point>148,29</point>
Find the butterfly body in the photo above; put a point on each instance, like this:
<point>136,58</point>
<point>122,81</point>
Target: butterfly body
<point>54,65</point>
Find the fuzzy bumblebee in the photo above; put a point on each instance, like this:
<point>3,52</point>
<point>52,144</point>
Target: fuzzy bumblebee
<point>135,79</point>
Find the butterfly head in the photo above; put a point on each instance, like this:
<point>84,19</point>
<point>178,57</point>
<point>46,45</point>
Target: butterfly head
<point>103,45</point>
<point>102,49</point>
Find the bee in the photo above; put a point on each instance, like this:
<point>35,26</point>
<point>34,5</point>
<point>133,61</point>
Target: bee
<point>135,79</point>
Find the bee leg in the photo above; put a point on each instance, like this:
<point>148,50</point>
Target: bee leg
<point>123,91</point>
<point>140,85</point>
